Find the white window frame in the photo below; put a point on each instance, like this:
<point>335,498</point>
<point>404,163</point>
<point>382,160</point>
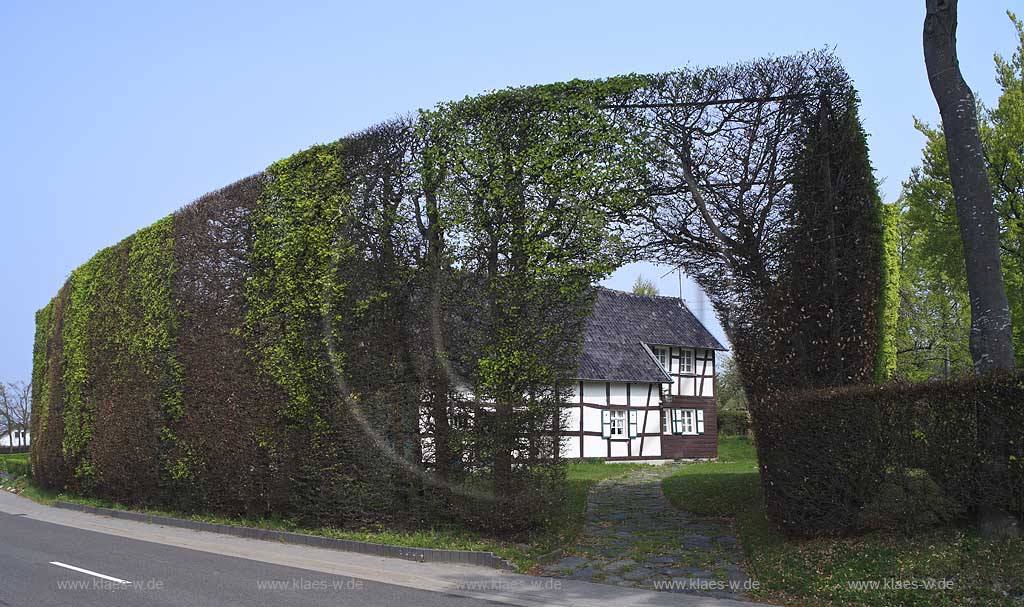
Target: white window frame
<point>617,421</point>
<point>686,422</point>
<point>663,356</point>
<point>686,361</point>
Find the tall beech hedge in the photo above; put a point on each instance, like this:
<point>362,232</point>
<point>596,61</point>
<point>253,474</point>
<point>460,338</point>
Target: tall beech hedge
<point>267,349</point>
<point>105,358</point>
<point>383,327</point>
<point>828,457</point>
<point>224,459</point>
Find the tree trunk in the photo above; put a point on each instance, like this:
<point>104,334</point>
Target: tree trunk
<point>991,338</point>
<point>440,370</point>
<point>503,407</point>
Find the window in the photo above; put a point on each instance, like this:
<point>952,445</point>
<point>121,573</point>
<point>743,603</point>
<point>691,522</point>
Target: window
<point>617,424</point>
<point>662,355</point>
<point>686,421</point>
<point>686,361</point>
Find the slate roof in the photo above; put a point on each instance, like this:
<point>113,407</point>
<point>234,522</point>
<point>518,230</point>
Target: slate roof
<point>619,326</point>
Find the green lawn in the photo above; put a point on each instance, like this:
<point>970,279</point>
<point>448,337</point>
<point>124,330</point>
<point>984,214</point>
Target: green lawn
<point>718,489</point>
<point>14,463</point>
<point>825,571</point>
<point>523,550</point>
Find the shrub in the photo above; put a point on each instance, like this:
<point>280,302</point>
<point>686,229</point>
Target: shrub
<point>16,467</point>
<point>827,455</point>
<point>538,498</point>
<point>734,422</point>
<point>908,501</point>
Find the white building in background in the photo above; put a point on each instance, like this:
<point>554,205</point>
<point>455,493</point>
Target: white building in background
<point>646,385</point>
<point>18,437</point>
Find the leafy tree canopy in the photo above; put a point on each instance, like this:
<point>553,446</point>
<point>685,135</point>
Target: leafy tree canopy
<point>644,286</point>
<point>934,314</point>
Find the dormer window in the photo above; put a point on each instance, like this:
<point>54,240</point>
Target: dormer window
<point>662,355</point>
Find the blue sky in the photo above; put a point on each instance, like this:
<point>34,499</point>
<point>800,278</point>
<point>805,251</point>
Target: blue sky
<point>113,114</point>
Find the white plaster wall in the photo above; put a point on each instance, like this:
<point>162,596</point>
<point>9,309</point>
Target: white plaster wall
<point>571,419</point>
<point>652,446</point>
<point>594,392</point>
<point>592,420</point>
<point>618,393</point>
<point>637,394</point>
<point>595,446</point>
<point>685,386</point>
<point>653,424</point>
<point>709,372</point>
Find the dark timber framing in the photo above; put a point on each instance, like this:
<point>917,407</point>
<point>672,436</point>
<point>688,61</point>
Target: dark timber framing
<point>619,371</point>
<point>689,389</point>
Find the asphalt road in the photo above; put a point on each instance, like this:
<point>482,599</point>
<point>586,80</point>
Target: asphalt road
<point>168,575</point>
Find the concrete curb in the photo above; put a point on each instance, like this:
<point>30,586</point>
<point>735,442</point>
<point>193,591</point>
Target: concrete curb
<point>422,555</point>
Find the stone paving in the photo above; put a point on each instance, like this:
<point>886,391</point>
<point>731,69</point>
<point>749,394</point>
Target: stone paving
<point>635,537</point>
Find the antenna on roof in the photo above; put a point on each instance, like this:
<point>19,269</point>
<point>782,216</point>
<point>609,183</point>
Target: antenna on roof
<point>679,271</point>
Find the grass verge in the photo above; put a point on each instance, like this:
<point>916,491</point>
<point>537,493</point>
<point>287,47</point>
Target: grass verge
<point>16,464</point>
<point>523,550</point>
<point>943,566</point>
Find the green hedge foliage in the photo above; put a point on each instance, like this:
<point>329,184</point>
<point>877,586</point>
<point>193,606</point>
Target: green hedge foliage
<point>15,467</point>
<point>45,430</point>
<point>105,359</point>
<point>268,348</point>
<point>839,460</point>
<point>889,301</point>
<point>830,277</point>
<point>383,328</point>
<point>732,422</point>
<point>224,456</point>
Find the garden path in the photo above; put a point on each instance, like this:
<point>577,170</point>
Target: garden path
<point>634,537</point>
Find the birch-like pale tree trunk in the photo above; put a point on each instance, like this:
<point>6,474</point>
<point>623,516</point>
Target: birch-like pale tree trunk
<point>991,338</point>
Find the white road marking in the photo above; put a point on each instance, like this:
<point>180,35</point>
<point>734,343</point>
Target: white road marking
<point>93,573</point>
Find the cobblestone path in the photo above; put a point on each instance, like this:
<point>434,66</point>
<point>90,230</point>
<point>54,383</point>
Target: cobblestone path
<point>635,537</point>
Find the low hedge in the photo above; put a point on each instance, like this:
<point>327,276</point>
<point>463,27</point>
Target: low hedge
<point>15,467</point>
<point>734,422</point>
<point>834,461</point>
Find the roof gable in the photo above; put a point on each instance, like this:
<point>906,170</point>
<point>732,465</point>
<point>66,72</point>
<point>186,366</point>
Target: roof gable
<point>619,326</point>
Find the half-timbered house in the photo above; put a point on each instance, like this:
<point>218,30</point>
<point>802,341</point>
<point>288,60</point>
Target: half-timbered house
<point>646,383</point>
